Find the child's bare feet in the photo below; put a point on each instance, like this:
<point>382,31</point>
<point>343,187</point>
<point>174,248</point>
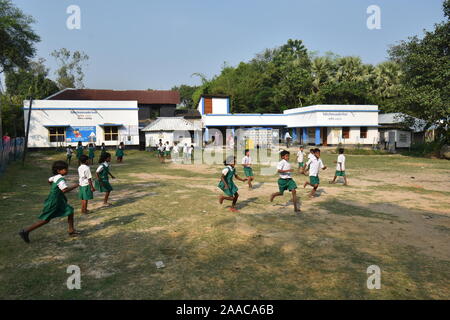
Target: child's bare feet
<point>272,197</point>
<point>221,199</point>
<point>305,184</point>
<point>297,210</point>
<point>234,209</point>
<point>74,233</point>
<point>24,235</point>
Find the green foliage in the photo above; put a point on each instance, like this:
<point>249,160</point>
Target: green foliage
<point>17,38</point>
<point>425,64</point>
<point>70,73</point>
<point>186,94</point>
<point>425,149</point>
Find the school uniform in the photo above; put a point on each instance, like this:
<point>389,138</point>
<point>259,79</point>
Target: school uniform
<point>91,153</point>
<point>80,151</point>
<point>69,153</point>
<point>247,161</point>
<point>185,153</point>
<point>300,159</point>
<point>119,152</point>
<point>167,150</point>
<point>314,166</point>
<point>103,171</point>
<point>339,172</point>
<point>285,181</point>
<point>229,173</point>
<point>56,203</point>
<point>103,150</point>
<point>84,191</point>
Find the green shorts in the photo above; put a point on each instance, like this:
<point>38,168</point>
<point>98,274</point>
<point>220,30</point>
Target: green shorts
<point>85,193</point>
<point>301,164</point>
<point>286,184</point>
<point>248,172</point>
<point>166,153</point>
<point>340,173</point>
<point>314,180</point>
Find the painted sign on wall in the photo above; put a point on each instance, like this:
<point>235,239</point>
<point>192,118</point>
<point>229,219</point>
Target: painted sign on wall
<point>83,134</point>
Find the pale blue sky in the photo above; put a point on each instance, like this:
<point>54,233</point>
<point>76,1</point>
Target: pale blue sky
<point>140,44</point>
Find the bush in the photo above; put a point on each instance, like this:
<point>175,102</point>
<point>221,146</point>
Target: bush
<point>425,149</point>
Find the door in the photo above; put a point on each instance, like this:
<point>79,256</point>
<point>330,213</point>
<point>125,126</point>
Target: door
<point>324,136</point>
<point>208,105</point>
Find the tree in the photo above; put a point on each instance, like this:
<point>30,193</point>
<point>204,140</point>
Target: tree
<point>425,65</point>
<point>70,72</point>
<point>186,93</point>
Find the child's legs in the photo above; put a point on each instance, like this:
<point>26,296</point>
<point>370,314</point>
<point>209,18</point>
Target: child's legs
<point>37,225</point>
<point>294,199</point>
<point>106,196</point>
<point>70,222</point>
<point>345,180</point>
<point>276,194</point>
<point>84,204</point>
<point>313,191</point>
<point>235,198</point>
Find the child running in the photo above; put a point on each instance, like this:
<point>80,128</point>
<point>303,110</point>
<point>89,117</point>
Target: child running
<point>120,152</point>
<point>248,171</point>
<point>285,182</point>
<point>300,160</point>
<point>314,165</point>
<point>102,183</point>
<point>91,153</point>
<point>80,151</point>
<point>85,192</point>
<point>227,185</point>
<point>340,167</point>
<point>69,153</point>
<point>56,203</point>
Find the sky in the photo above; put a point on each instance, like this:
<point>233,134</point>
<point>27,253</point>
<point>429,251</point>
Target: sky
<point>157,44</point>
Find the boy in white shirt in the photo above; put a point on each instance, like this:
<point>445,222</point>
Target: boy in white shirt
<point>300,160</point>
<point>175,151</point>
<point>340,167</point>
<point>285,182</point>
<point>69,153</point>
<point>86,190</point>
<point>314,165</point>
<point>247,163</point>
<point>185,153</point>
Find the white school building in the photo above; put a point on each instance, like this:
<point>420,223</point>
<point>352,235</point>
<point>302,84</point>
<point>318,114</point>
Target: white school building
<point>315,125</point>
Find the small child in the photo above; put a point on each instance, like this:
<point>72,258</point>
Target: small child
<point>167,150</point>
<point>120,152</point>
<point>285,182</point>
<point>102,183</point>
<point>176,152</point>
<point>69,153</point>
<point>248,171</point>
<point>314,165</point>
<point>103,149</point>
<point>56,203</point>
<point>85,192</point>
<point>91,149</point>
<point>340,167</point>
<point>311,154</point>
<point>80,151</point>
<point>227,185</point>
<point>191,152</point>
<point>185,154</point>
<point>161,152</point>
<point>300,160</point>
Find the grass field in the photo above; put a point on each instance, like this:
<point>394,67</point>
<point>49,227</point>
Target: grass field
<point>395,214</point>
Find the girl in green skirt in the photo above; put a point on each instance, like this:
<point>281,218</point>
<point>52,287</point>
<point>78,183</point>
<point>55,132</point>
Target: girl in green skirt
<point>119,152</point>
<point>56,203</point>
<point>80,151</point>
<point>102,183</point>
<point>227,185</point>
<point>91,153</point>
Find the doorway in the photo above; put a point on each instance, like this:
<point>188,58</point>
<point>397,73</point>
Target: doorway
<point>324,136</point>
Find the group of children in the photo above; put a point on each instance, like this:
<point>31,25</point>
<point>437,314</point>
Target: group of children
<point>56,203</point>
<point>165,151</point>
<point>91,147</point>
<point>284,169</point>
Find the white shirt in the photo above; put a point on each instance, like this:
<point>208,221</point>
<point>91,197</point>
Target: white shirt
<point>167,147</point>
<point>190,150</point>
<point>62,184</point>
<point>287,135</point>
<point>247,161</point>
<point>161,148</point>
<point>185,149</point>
<point>340,159</point>
<point>284,165</point>
<point>314,166</point>
<point>300,156</point>
<point>100,167</point>
<point>311,156</point>
<point>226,169</point>
<point>175,149</point>
<point>69,151</point>
<point>84,173</point>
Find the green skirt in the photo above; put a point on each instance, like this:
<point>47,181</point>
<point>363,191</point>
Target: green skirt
<point>232,188</point>
<point>85,193</point>
<point>340,173</point>
<point>314,180</point>
<point>301,164</point>
<point>248,172</point>
<point>104,187</point>
<point>55,207</point>
<point>286,184</point>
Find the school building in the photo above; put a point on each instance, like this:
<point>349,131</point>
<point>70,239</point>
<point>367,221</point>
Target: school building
<point>325,125</point>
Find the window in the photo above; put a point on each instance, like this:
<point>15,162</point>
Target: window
<point>345,133</point>
<point>57,134</point>
<point>363,132</point>
<point>111,133</point>
<point>403,138</point>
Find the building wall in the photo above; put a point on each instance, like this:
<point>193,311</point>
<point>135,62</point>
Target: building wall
<point>81,113</point>
<point>220,105</point>
<point>152,138</point>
